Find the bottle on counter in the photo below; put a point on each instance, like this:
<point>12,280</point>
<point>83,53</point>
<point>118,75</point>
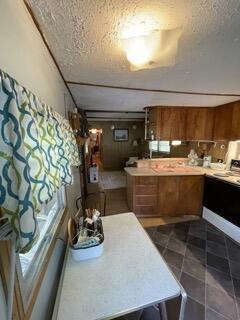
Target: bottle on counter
<point>207,161</point>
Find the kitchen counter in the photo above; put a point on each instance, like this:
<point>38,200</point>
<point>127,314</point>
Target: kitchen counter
<point>162,172</point>
<point>196,171</point>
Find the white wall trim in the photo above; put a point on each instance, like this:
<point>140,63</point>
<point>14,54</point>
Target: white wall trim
<point>222,224</point>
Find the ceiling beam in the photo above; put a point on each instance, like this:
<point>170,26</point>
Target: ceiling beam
<point>114,119</point>
<point>114,111</point>
<point>98,85</point>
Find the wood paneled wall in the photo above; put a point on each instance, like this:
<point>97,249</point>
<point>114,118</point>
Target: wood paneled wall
<point>115,154</point>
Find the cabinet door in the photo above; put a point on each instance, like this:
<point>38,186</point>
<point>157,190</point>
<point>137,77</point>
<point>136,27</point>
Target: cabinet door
<point>190,195</point>
<point>223,122</point>
<point>154,122</point>
<point>180,195</point>
<point>173,123</point>
<point>200,123</point>
<point>168,195</point>
<point>235,134</point>
<point>145,197</point>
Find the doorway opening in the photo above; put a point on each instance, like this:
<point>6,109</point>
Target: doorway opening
<point>95,143</point>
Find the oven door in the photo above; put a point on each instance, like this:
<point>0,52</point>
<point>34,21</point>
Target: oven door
<point>223,199</point>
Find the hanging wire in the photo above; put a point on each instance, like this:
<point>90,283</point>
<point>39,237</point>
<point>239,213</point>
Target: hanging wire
<point>7,234</point>
<point>6,231</point>
<point>11,279</point>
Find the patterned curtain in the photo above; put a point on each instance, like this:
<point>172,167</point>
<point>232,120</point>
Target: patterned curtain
<point>37,150</point>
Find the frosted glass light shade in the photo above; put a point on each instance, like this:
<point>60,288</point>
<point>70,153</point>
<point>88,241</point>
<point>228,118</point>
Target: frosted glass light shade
<point>156,49</point>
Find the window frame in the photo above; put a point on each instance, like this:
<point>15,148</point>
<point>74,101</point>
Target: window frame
<point>29,287</point>
<point>158,150</point>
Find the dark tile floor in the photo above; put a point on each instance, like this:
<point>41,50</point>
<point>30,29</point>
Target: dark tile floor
<point>207,263</point>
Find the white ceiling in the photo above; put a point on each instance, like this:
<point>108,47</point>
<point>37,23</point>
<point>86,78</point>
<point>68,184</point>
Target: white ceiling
<point>84,36</point>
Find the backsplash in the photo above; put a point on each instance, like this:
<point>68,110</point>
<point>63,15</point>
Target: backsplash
<point>217,151</point>
<point>155,163</point>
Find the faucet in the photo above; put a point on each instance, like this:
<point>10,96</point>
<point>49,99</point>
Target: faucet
<point>150,154</point>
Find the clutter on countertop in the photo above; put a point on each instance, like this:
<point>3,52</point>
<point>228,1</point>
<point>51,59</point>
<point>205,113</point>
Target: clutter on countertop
<point>207,161</point>
<point>161,162</point>
<point>90,230</point>
<point>193,158</point>
<point>86,236</point>
<point>217,166</point>
<point>131,161</point>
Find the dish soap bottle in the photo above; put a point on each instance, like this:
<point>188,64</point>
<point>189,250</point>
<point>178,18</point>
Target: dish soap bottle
<point>207,161</point>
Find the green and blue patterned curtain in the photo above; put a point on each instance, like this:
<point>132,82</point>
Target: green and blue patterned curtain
<point>37,150</point>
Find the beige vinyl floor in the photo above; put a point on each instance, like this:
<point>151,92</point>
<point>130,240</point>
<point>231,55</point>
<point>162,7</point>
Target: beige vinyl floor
<point>112,180</point>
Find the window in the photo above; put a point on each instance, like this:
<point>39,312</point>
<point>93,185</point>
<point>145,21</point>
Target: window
<point>159,146</point>
<point>29,264</point>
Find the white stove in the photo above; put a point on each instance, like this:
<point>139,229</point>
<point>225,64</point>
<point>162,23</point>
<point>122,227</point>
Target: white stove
<point>234,171</point>
<point>221,204</point>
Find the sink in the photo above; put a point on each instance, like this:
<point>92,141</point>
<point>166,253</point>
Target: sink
<point>177,170</point>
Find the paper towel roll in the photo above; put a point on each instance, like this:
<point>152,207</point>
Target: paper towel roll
<point>233,152</point>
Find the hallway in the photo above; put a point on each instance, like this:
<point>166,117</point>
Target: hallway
<point>116,201</point>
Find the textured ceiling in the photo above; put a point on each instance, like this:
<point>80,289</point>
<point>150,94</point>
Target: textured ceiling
<point>84,36</point>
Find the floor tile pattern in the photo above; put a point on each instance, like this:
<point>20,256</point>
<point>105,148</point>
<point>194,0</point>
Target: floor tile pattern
<point>207,263</point>
<point>112,179</point>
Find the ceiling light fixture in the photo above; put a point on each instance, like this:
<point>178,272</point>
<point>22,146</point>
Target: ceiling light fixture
<point>135,143</point>
<point>94,131</point>
<point>156,48</point>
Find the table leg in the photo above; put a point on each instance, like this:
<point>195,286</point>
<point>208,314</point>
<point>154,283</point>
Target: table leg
<point>183,304</point>
<point>174,309</point>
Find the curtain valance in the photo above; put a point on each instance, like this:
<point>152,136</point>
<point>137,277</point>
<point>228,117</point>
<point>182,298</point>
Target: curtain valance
<point>37,150</point>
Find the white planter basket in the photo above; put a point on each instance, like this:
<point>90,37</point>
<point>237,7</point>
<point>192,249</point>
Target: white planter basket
<point>80,254</point>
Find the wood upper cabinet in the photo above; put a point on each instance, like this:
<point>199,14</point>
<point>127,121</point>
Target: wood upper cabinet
<point>154,122</point>
<point>172,123</point>
<point>223,122</point>
<point>199,125</point>
<point>235,133</point>
<point>182,123</point>
<point>196,123</point>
